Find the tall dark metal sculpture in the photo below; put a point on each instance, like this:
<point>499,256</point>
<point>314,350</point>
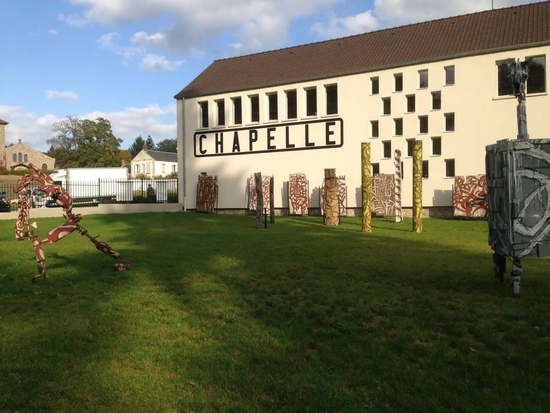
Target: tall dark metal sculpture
<point>62,198</point>
<point>259,200</point>
<point>518,191</point>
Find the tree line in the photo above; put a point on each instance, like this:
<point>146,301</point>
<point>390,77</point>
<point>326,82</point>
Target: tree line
<point>79,143</point>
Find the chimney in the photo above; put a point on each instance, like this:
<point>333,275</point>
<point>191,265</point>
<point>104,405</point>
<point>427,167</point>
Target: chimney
<point>145,147</point>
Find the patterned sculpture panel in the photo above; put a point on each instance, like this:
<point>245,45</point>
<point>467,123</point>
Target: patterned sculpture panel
<point>366,187</point>
<point>266,193</point>
<point>207,193</point>
<point>417,186</point>
<point>342,196</point>
<point>298,194</point>
<point>470,196</point>
<point>62,198</point>
<point>383,195</point>
<point>398,175</point>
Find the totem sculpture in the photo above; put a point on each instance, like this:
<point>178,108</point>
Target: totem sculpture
<point>366,187</point>
<point>265,190</point>
<point>417,186</point>
<point>298,194</point>
<point>259,200</point>
<point>207,193</point>
<point>397,165</point>
<point>518,192</point>
<point>271,200</point>
<point>62,198</point>
<point>332,216</point>
<point>342,196</point>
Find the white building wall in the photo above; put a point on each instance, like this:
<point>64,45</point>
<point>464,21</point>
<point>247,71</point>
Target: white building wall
<point>481,118</point>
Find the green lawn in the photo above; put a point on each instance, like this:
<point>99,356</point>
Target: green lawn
<point>216,316</point>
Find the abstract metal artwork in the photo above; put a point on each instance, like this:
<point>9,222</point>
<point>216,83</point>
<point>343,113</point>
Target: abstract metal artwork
<point>383,195</point>
<point>417,186</point>
<point>298,194</point>
<point>398,175</point>
<point>470,196</point>
<point>366,187</point>
<point>207,193</point>
<point>62,198</point>
<point>265,182</point>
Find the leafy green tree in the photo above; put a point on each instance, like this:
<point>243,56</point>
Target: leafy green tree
<point>137,146</point>
<point>84,143</point>
<point>167,145</point>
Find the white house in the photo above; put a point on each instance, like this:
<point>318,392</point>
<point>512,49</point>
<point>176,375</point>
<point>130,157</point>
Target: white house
<point>306,108</point>
<point>154,163</point>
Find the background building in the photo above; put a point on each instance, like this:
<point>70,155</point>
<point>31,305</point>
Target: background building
<point>154,163</point>
<point>306,108</point>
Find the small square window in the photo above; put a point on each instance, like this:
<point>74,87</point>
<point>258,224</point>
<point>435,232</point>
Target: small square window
<point>436,146</point>
<point>425,169</point>
<point>536,82</point>
<point>449,122</point>
<point>386,149</point>
<point>422,79</point>
<point>410,147</point>
<point>504,87</point>
<point>449,75</point>
<point>374,86</point>
<point>374,129</point>
<point>411,103</point>
<point>386,106</point>
<point>436,100</point>
<point>375,168</point>
<point>449,168</point>
<point>422,124</point>
<point>398,127</point>
<point>398,82</point>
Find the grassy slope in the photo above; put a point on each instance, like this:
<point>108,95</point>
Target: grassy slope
<point>215,316</point>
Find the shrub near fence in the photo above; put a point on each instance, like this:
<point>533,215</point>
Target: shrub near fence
<point>104,191</point>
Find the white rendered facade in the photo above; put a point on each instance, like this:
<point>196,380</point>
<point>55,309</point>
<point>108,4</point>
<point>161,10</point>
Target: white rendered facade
<point>481,117</point>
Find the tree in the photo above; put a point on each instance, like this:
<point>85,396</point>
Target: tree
<point>84,143</point>
<point>167,145</point>
<point>137,146</point>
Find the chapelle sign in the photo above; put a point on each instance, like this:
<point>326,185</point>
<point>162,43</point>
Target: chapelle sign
<point>319,134</point>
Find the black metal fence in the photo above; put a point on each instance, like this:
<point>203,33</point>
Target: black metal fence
<point>102,191</point>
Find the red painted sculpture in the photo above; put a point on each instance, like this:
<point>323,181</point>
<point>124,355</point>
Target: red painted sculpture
<point>62,198</point>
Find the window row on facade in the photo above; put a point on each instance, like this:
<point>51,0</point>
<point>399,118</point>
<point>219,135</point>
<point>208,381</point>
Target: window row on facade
<point>247,110</point>
<point>20,157</point>
<point>435,147</point>
<point>422,81</point>
<point>449,169</point>
<point>422,125</point>
<point>410,103</point>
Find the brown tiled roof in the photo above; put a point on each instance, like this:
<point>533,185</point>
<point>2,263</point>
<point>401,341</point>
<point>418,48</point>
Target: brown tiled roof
<point>3,122</point>
<point>470,34</point>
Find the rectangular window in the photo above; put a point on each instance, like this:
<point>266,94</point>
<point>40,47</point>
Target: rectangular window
<point>398,82</point>
<point>237,111</point>
<point>449,168</point>
<point>220,106</point>
<point>254,108</point>
<point>375,168</point>
<point>311,102</point>
<point>386,149</point>
<point>148,168</point>
<point>422,124</point>
<point>203,109</point>
<point>505,88</point>
<point>422,79</point>
<point>374,129</point>
<point>291,104</point>
<point>425,169</point>
<point>332,99</point>
<point>398,127</point>
<point>436,146</point>
<point>272,103</point>
<point>374,86</point>
<point>449,75</point>
<point>163,168</point>
<point>411,103</point>
<point>536,82</point>
<point>410,147</point>
<point>386,106</point>
<point>173,168</point>
<point>449,122</point>
<point>436,100</point>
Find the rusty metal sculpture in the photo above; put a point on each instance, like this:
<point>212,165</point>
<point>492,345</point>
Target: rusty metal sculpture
<point>62,198</point>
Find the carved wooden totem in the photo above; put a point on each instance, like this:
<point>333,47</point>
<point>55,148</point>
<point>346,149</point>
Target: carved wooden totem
<point>259,200</point>
<point>417,186</point>
<point>332,216</point>
<point>366,186</point>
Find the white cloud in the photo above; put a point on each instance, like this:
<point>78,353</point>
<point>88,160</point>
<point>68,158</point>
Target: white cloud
<point>347,26</point>
<point>54,94</point>
<point>73,20</point>
<point>34,130</point>
<point>155,40</point>
<point>153,62</point>
<point>52,32</point>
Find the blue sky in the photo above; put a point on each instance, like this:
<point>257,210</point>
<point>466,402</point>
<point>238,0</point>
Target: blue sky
<point>124,60</point>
